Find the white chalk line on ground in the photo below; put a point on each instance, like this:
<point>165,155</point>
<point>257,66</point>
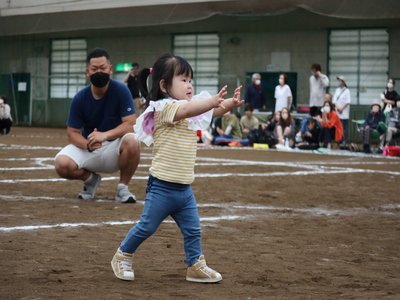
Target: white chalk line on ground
<point>322,171</point>
<point>110,223</point>
<point>388,209</point>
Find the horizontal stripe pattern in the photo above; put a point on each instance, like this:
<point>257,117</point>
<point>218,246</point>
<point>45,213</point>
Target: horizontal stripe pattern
<point>174,147</point>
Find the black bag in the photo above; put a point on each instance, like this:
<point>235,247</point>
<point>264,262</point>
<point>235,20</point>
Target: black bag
<point>262,136</point>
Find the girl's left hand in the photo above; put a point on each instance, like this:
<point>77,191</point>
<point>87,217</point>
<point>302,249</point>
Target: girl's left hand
<point>236,97</point>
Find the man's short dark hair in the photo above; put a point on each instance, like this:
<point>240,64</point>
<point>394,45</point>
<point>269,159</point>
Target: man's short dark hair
<point>134,64</point>
<point>316,67</point>
<point>248,107</point>
<point>97,52</point>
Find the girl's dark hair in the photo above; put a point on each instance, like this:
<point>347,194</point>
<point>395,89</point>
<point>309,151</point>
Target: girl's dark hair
<point>4,99</point>
<point>394,82</point>
<point>284,78</point>
<point>288,121</point>
<point>165,68</point>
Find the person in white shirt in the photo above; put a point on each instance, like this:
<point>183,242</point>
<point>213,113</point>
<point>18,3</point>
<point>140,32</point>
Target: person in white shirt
<point>283,94</point>
<point>5,116</point>
<point>318,84</point>
<point>342,100</point>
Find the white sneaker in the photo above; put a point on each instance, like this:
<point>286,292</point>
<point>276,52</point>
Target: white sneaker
<point>124,195</point>
<point>122,265</point>
<point>200,272</point>
<point>90,186</point>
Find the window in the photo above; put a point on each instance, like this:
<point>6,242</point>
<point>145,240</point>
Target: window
<point>362,57</point>
<point>202,52</point>
<point>67,66</point>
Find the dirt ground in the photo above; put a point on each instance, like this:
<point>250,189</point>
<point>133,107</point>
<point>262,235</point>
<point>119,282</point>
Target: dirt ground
<point>276,225</point>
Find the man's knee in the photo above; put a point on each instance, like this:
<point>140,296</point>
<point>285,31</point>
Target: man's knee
<point>64,165</point>
<point>131,145</point>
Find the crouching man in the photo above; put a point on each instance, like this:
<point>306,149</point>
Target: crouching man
<point>100,132</point>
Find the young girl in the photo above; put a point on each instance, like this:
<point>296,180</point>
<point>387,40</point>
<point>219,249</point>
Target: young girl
<point>170,122</point>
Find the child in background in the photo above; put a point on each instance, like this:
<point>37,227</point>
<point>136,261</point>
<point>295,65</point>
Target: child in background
<point>170,121</point>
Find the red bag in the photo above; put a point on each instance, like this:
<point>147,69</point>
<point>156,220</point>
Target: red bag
<point>391,151</point>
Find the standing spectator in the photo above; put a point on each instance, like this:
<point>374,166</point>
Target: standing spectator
<point>318,84</point>
<point>248,122</point>
<point>342,100</point>
<point>393,118</point>
<point>389,96</point>
<point>286,128</point>
<point>254,94</point>
<point>5,116</point>
<point>132,81</point>
<point>283,94</point>
<point>332,129</point>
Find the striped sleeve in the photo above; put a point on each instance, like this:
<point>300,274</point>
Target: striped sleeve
<point>167,115</point>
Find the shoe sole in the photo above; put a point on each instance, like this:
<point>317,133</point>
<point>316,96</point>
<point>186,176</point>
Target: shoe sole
<point>120,277</point>
<point>129,200</point>
<point>203,280</point>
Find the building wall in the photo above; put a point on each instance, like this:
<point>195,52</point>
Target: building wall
<point>240,52</point>
<point>394,58</point>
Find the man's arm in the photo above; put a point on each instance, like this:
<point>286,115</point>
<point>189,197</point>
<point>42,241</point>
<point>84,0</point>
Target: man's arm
<point>75,138</point>
<point>98,137</point>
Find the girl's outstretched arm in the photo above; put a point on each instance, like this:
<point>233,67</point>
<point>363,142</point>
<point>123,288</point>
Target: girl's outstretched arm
<point>194,108</point>
<point>229,103</point>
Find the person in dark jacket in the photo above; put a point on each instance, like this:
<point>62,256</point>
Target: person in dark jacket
<point>372,122</point>
<point>254,94</point>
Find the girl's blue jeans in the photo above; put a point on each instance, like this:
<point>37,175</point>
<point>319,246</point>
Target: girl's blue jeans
<point>165,199</point>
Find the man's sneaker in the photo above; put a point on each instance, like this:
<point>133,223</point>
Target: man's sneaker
<point>123,195</point>
<point>122,265</point>
<point>90,187</point>
<point>199,272</point>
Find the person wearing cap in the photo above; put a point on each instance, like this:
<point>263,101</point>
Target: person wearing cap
<point>372,122</point>
<point>318,84</point>
<point>342,100</point>
<point>254,94</point>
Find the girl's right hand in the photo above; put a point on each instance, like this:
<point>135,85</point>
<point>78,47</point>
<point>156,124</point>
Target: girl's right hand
<point>219,98</point>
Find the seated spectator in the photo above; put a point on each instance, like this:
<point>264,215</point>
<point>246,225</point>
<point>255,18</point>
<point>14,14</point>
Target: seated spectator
<point>310,138</point>
<point>285,130</point>
<point>312,115</point>
<point>5,116</point>
<point>393,122</point>
<point>331,126</point>
<point>248,121</point>
<point>229,131</point>
<point>266,132</point>
<point>372,122</point>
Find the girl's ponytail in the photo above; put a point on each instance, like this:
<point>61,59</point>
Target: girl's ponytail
<point>144,83</point>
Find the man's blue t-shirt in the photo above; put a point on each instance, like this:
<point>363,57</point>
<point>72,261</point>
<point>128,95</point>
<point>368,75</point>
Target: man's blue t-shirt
<point>87,113</point>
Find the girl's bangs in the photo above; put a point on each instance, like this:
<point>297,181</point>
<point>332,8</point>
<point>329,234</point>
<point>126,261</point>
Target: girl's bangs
<point>182,67</point>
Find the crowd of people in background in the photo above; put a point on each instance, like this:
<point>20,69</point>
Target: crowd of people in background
<point>327,123</point>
